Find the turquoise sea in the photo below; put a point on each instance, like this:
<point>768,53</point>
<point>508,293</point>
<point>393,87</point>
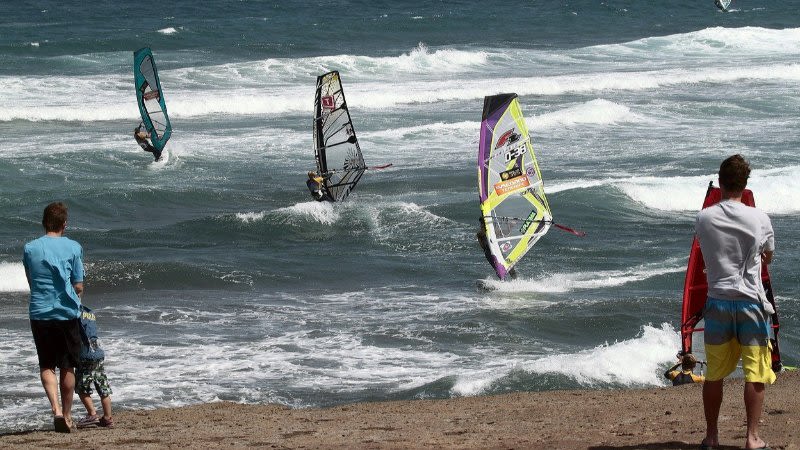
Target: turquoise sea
<point>216,277</point>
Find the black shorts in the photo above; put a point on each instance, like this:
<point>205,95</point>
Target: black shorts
<point>58,342</point>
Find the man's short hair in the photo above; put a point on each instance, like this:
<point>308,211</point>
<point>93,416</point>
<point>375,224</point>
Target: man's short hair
<point>733,173</point>
<point>54,217</point>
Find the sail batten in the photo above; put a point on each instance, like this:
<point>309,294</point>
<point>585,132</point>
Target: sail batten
<point>515,212</point>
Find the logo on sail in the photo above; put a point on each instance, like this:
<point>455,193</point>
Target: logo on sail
<point>529,221</point>
<point>511,185</point>
<point>509,137</point>
<point>327,102</point>
<point>512,173</point>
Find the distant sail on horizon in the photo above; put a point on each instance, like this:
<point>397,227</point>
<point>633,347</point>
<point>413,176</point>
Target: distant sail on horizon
<point>514,209</point>
<point>723,4</point>
<point>150,98</point>
<point>336,149</point>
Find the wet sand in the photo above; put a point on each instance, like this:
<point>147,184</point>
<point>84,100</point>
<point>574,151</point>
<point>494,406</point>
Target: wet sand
<point>658,418</point>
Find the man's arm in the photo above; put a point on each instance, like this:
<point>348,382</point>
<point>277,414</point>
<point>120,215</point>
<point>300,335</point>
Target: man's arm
<point>669,371</point>
<point>78,288</point>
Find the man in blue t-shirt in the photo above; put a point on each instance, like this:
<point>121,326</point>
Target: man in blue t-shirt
<point>54,269</point>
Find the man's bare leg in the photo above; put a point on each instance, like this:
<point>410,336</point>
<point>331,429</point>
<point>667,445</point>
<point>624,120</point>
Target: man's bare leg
<point>753,404</point>
<point>67,392</point>
<point>712,401</point>
<point>50,384</point>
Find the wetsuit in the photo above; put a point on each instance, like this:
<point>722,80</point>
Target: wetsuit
<point>146,146</point>
<point>679,377</point>
<point>315,186</point>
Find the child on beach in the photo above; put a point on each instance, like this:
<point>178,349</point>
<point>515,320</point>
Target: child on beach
<point>91,371</point>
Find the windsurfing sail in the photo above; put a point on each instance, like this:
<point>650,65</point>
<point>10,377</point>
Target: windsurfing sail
<point>336,148</point>
<point>514,210</point>
<point>723,4</point>
<point>150,98</point>
<point>695,288</point>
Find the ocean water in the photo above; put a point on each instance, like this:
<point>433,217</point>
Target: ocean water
<point>214,275</point>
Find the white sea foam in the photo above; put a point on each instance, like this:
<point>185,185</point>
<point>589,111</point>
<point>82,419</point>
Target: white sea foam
<point>568,282</point>
<point>374,95</point>
<point>632,362</point>
<point>575,184</point>
<point>12,277</point>
<point>420,60</point>
<point>250,217</point>
<point>598,111</point>
<point>325,213</point>
<point>721,40</point>
<point>168,30</point>
<point>776,191</point>
<point>274,86</point>
<point>48,98</point>
<point>436,129</point>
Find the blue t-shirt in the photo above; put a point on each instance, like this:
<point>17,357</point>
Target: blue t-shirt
<point>53,265</point>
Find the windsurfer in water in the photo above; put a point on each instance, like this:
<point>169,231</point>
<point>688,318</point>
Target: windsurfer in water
<point>316,186</point>
<point>142,138</point>
<point>686,375</point>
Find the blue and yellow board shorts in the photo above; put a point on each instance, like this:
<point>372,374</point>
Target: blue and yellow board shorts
<point>737,329</point>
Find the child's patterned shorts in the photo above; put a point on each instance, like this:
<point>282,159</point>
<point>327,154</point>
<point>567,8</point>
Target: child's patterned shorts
<point>92,373</point>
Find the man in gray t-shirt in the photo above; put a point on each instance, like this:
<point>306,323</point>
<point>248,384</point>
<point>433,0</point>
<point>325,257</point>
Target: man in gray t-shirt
<point>735,236</point>
<point>736,240</point>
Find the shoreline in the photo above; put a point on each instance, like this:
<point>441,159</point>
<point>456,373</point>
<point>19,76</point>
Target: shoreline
<point>653,418</point>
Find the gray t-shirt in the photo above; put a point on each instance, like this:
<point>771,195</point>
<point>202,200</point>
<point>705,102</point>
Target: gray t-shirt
<point>733,236</point>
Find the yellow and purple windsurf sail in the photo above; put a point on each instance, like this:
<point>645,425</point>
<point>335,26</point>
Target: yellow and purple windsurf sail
<point>150,98</point>
<point>514,209</point>
<point>336,150</point>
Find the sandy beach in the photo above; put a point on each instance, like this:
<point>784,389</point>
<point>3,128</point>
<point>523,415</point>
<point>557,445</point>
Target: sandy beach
<point>659,418</point>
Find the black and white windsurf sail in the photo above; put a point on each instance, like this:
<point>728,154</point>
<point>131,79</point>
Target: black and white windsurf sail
<point>336,149</point>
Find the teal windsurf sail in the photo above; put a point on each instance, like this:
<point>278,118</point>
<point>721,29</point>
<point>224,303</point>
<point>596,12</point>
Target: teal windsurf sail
<point>336,149</point>
<point>150,98</point>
